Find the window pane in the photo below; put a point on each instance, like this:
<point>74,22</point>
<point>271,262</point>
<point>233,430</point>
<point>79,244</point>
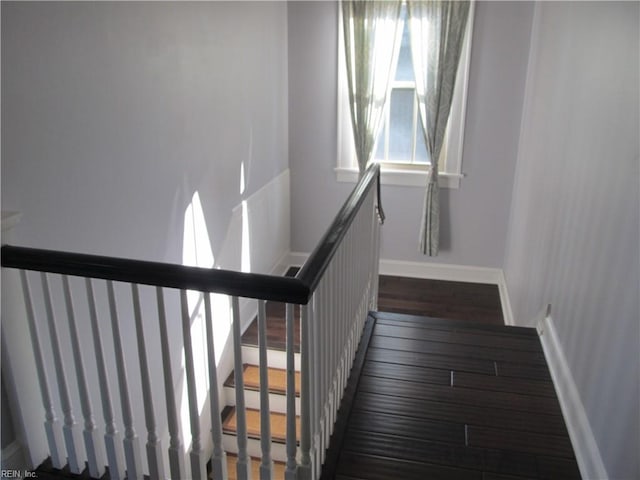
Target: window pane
<point>421,148</point>
<point>401,125</point>
<point>404,70</point>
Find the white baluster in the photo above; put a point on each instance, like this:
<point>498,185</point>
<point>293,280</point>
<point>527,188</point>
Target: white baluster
<point>346,320</point>
<point>198,467</point>
<point>376,263</point>
<point>95,460</point>
<point>350,269</point>
<point>52,430</point>
<point>347,313</point>
<point>266,463</point>
<point>69,430</point>
<point>340,317</point>
<point>153,447</point>
<point>327,341</point>
<point>304,470</point>
<point>131,444</point>
<point>243,465</point>
<point>291,447</point>
<point>320,333</point>
<point>335,342</point>
<point>218,459</point>
<point>114,453</point>
<point>316,367</point>
<point>176,459</point>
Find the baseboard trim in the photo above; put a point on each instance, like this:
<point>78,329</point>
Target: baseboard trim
<point>297,259</point>
<point>584,443</point>
<point>507,312</point>
<point>281,266</point>
<point>433,271</point>
<point>441,271</point>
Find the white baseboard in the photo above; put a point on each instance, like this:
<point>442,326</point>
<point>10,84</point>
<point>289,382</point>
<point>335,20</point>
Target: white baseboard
<point>507,312</point>
<point>297,259</point>
<point>584,443</point>
<point>433,271</point>
<point>281,266</point>
<point>441,271</point>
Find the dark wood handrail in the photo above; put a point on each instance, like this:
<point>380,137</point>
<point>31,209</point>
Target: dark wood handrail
<point>296,290</point>
<point>311,273</point>
<point>251,285</point>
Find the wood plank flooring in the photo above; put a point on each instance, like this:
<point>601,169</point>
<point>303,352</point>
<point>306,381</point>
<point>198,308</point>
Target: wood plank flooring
<point>443,390</point>
<point>475,302</point>
<point>433,298</point>
<point>432,399</point>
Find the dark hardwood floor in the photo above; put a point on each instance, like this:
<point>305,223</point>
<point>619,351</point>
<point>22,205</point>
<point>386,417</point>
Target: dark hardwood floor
<point>433,298</point>
<point>444,398</point>
<point>474,302</point>
<point>441,389</point>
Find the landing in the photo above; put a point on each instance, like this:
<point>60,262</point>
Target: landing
<point>476,302</point>
<point>434,298</point>
<point>450,399</point>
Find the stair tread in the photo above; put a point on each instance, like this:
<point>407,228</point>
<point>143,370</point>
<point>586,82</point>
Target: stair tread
<point>277,378</point>
<point>278,468</point>
<point>278,424</point>
<point>276,328</point>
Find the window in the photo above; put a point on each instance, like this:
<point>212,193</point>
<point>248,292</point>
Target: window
<point>400,147</point>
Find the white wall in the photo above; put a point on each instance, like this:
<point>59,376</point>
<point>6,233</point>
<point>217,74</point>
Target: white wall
<point>474,219</point>
<point>574,228</point>
<point>114,114</point>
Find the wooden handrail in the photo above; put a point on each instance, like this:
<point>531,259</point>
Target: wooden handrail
<point>251,285</point>
<point>296,290</point>
<point>311,273</point>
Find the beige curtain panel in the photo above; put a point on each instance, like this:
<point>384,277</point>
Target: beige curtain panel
<point>437,32</point>
<point>371,39</point>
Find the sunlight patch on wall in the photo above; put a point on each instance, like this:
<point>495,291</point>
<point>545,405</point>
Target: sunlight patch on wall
<point>197,252</point>
<point>245,258</point>
<point>243,183</point>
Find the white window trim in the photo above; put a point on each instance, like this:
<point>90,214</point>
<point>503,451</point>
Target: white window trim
<point>406,174</point>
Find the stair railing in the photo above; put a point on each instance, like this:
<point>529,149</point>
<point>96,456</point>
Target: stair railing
<point>334,291</point>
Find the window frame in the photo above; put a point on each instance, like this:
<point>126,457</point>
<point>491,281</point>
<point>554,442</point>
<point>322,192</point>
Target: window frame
<point>407,174</point>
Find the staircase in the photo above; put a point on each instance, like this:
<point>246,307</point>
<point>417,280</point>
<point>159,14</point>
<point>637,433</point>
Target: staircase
<point>276,361</point>
<point>105,308</point>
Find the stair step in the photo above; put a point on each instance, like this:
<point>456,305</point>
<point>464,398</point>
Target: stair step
<point>278,424</point>
<point>277,378</point>
<point>275,358</point>
<point>277,471</point>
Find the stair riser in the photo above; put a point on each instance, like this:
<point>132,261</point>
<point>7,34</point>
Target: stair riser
<point>277,402</point>
<point>275,358</point>
<point>278,450</point>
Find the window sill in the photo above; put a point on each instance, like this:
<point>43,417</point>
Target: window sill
<point>401,177</point>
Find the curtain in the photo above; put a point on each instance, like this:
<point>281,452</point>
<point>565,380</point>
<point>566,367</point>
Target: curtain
<point>437,31</point>
<point>371,38</point>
